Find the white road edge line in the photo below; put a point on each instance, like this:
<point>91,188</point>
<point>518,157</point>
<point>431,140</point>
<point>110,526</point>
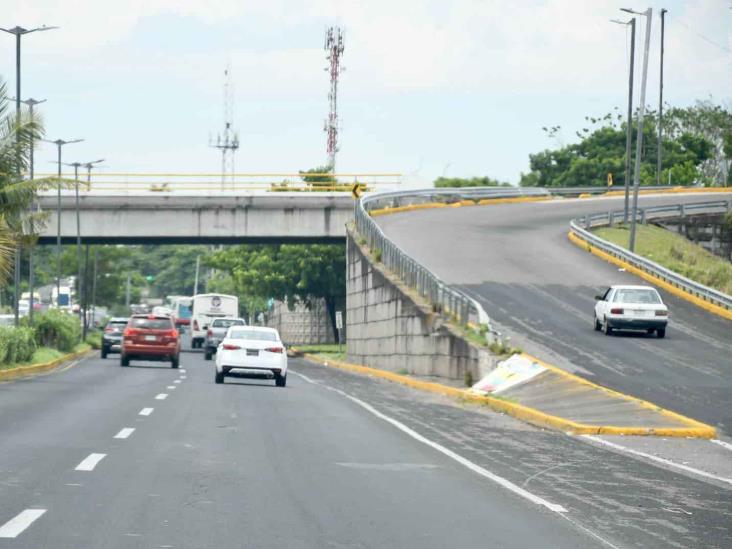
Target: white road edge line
<point>161,396</point>
<point>15,526</point>
<point>125,433</point>
<point>658,459</point>
<point>723,444</point>
<point>90,462</point>
<point>449,453</point>
<point>146,412</point>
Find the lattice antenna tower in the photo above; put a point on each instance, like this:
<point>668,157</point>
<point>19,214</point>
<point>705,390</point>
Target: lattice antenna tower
<point>334,49</point>
<point>228,141</point>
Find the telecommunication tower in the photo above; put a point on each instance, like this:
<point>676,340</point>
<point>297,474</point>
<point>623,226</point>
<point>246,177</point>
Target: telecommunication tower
<point>228,141</point>
<point>334,49</point>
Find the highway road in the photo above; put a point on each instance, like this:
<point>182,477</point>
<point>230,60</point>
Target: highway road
<point>94,456</point>
<point>539,289</point>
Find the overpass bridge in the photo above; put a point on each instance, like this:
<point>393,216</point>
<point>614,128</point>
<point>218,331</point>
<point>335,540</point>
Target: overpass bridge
<point>204,208</point>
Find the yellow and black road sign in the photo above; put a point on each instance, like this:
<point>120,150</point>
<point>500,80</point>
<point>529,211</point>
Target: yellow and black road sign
<point>609,179</point>
<point>356,191</point>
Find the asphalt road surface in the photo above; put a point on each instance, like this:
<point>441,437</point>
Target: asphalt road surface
<point>95,457</point>
<point>539,288</point>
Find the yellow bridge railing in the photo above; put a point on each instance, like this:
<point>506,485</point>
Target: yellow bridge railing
<point>271,182</point>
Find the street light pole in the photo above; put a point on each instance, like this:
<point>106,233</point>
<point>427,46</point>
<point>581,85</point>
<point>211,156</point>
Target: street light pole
<point>31,278</point>
<point>629,128</point>
<point>18,31</point>
<point>660,101</point>
<point>641,112</point>
<point>59,143</point>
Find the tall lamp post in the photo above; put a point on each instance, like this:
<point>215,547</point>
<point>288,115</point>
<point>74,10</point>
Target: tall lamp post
<point>18,32</point>
<point>31,103</point>
<point>629,129</point>
<point>660,100</point>
<point>59,144</point>
<point>641,112</point>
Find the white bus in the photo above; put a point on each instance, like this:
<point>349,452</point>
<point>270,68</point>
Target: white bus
<point>206,307</point>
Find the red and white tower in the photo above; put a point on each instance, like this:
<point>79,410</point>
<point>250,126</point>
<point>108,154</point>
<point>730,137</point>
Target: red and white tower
<point>334,49</point>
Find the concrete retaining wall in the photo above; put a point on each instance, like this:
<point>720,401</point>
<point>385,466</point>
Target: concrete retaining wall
<point>392,328</point>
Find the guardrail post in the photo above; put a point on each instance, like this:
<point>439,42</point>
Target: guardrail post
<point>682,211</point>
<point>643,216</point>
<point>586,219</point>
<point>610,217</point>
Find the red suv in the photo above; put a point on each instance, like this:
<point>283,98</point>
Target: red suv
<point>150,337</point>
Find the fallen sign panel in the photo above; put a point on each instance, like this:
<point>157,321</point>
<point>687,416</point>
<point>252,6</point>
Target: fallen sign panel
<point>509,373</point>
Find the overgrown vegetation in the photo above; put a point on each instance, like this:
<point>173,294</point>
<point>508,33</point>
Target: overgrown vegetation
<point>57,329</point>
<point>16,344</point>
<point>675,252</point>
<point>469,182</point>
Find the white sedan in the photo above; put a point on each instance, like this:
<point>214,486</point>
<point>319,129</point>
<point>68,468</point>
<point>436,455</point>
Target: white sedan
<point>252,350</point>
<point>631,308</point>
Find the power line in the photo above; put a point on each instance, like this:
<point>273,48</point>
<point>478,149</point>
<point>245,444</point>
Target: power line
<point>702,36</point>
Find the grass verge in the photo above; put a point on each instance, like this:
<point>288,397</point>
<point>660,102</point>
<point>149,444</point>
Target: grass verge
<point>43,355</point>
<point>326,351</point>
<point>674,252</point>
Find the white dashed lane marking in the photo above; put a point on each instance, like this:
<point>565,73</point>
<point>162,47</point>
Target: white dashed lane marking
<point>90,462</point>
<point>16,525</point>
<point>146,411</point>
<point>170,387</point>
<point>125,433</point>
<point>177,381</point>
<point>161,396</point>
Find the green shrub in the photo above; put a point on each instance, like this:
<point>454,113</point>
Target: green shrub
<point>16,344</point>
<point>95,340</point>
<point>58,330</point>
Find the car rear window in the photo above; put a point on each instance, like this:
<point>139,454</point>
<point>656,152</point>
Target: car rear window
<point>257,335</point>
<point>226,322</point>
<point>151,323</point>
<point>637,296</point>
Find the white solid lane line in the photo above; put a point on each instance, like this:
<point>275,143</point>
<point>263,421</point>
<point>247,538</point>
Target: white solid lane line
<point>125,433</point>
<point>723,444</point>
<point>665,461</point>
<point>15,526</point>
<point>146,411</point>
<point>161,396</point>
<point>449,453</point>
<point>90,462</point>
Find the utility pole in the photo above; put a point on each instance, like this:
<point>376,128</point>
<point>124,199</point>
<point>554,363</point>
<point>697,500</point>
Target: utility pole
<point>127,292</point>
<point>198,268</point>
<point>86,295</point>
<point>334,47</point>
<point>89,166</point>
<point>59,143</point>
<point>94,290</point>
<point>18,32</point>
<point>641,112</point>
<point>228,142</point>
<point>660,102</point>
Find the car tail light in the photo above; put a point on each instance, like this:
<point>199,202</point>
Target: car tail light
<point>209,333</point>
<point>616,311</point>
<point>661,313</point>
<point>275,349</point>
<point>231,347</point>
<point>129,332</point>
<point>108,330</point>
<point>195,324</point>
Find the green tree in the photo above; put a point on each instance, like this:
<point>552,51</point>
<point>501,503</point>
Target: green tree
<point>472,182</point>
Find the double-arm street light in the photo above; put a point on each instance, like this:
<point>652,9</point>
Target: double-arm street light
<point>629,129</point>
<point>59,144</point>
<point>641,112</point>
<point>18,32</point>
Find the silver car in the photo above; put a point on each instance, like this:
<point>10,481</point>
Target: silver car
<point>216,332</point>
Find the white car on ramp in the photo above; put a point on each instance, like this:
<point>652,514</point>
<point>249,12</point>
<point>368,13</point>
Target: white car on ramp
<point>252,351</point>
<point>630,308</point>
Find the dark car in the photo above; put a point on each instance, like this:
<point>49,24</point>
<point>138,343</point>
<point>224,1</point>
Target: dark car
<point>150,337</point>
<point>112,336</point>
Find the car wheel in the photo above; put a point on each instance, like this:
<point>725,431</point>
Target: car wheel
<point>596,323</point>
<point>219,376</point>
<point>280,381</point>
<point>207,355</point>
<point>661,333</point>
<point>607,329</point>
<point>104,352</point>
<point>174,362</point>
<point>124,360</point>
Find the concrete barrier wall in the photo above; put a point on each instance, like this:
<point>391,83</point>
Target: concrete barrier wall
<point>391,328</point>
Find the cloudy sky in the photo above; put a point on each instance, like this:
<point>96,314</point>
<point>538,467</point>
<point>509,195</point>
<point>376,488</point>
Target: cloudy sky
<point>460,88</point>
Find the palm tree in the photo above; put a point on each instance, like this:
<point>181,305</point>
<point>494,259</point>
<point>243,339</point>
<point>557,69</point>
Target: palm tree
<point>16,194</point>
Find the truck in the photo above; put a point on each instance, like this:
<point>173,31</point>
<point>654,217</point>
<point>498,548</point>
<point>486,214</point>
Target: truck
<point>61,299</point>
<point>207,307</point>
<point>181,307</point>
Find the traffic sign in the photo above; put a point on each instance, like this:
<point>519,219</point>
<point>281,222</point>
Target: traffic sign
<point>356,191</point>
<point>609,179</point>
<point>339,320</point>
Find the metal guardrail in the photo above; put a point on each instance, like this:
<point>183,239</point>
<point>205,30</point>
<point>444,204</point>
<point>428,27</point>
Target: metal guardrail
<point>581,227</point>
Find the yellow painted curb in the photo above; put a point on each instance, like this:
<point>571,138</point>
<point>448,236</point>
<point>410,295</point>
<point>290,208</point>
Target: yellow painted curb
<point>459,204</point>
<point>24,371</point>
<point>715,309</point>
<point>525,413</point>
